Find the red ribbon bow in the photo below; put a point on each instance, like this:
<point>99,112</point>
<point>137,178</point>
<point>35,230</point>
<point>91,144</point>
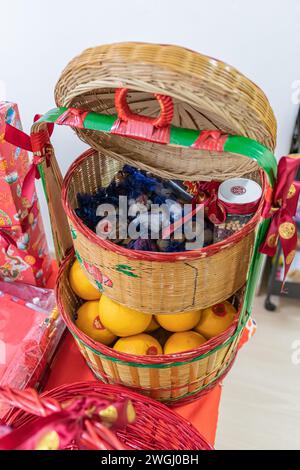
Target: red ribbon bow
<point>282,209</point>
<point>32,143</point>
<point>84,422</point>
<point>36,142</point>
<point>216,210</point>
<point>206,193</point>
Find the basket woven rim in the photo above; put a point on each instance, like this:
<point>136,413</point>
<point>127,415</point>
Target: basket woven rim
<point>163,360</point>
<point>150,255</point>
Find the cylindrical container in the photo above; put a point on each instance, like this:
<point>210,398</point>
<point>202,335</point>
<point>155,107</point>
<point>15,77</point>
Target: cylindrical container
<point>239,197</point>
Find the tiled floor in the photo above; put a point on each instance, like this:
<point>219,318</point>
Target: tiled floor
<point>260,407</point>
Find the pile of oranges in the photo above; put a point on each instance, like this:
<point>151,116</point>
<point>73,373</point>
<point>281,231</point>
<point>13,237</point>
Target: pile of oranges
<point>133,332</point>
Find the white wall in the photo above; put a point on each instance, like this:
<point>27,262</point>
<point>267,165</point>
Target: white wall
<point>37,38</point>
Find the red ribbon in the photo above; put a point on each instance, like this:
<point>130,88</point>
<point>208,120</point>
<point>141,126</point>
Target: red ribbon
<point>206,193</point>
<point>18,138</point>
<point>36,142</point>
<point>83,422</point>
<point>282,209</point>
<point>217,210</point>
<point>248,208</point>
<point>33,143</point>
<point>28,186</point>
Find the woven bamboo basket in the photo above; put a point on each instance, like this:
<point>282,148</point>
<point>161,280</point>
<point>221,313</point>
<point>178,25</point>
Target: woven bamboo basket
<point>209,116</point>
<point>175,378</point>
<point>204,94</point>
<point>156,427</point>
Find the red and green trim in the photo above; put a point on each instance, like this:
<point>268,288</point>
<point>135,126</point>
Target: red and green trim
<point>205,140</point>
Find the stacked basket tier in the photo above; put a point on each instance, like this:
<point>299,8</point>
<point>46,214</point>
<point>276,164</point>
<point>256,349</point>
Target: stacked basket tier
<point>174,379</point>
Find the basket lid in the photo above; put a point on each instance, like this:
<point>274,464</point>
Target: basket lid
<point>205,94</point>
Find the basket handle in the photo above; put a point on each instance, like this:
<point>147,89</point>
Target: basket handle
<point>138,126</point>
<point>125,113</point>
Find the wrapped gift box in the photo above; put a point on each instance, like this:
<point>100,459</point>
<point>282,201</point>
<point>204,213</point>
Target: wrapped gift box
<point>24,253</point>
<point>30,330</point>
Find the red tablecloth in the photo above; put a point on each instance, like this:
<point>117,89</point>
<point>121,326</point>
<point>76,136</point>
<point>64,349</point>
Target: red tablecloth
<point>69,366</point>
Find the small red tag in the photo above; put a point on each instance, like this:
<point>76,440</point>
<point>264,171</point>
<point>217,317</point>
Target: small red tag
<point>97,324</point>
<point>152,351</point>
<point>219,310</point>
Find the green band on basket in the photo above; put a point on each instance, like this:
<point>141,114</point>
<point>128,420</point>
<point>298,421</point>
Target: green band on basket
<point>43,179</point>
<point>255,267</point>
<point>253,149</point>
<point>180,137</point>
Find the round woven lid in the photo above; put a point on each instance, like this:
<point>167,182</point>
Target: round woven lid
<point>206,93</point>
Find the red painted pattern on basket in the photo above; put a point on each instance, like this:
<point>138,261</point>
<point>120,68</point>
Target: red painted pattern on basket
<point>97,274</point>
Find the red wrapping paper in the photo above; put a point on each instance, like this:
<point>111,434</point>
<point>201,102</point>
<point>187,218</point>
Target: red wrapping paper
<point>23,248</point>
